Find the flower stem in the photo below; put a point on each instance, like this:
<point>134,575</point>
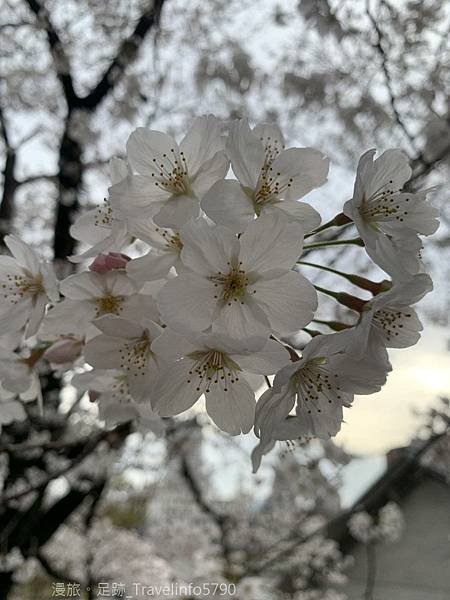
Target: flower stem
<point>355,241</point>
<point>337,221</point>
<point>334,325</point>
<point>375,287</point>
<point>352,302</point>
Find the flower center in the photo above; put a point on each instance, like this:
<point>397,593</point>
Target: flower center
<point>314,380</point>
<point>104,215</point>
<point>172,174</point>
<point>109,305</point>
<point>18,286</point>
<point>233,284</point>
<point>270,188</point>
<point>172,240</point>
<point>390,322</point>
<point>134,355</point>
<point>383,205</point>
<point>212,368</point>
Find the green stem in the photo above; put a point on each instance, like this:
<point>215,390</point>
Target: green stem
<point>355,241</point>
<point>352,302</point>
<point>334,325</point>
<point>338,221</point>
<point>375,287</point>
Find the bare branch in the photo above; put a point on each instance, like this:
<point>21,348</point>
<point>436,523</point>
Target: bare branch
<point>379,47</point>
<point>60,59</point>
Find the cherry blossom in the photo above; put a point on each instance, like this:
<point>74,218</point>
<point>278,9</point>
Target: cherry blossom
<point>102,227</point>
<point>166,246</point>
<point>242,287</point>
<point>270,179</point>
<point>27,285</point>
<point>114,401</point>
<point>127,346</point>
<point>213,365</point>
<point>319,384</point>
<point>168,179</point>
<point>90,295</point>
<point>388,320</point>
<point>388,219</point>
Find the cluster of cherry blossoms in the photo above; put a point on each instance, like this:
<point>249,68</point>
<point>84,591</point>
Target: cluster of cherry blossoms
<point>219,291</point>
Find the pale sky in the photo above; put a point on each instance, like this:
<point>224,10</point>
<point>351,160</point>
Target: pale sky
<point>385,420</point>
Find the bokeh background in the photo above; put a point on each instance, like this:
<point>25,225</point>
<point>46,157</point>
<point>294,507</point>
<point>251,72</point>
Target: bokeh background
<point>77,76</point>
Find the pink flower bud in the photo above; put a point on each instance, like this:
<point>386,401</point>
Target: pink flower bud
<point>64,351</point>
<point>107,262</point>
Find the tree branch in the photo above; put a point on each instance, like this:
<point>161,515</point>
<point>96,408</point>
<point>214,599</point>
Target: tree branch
<point>60,59</point>
<point>125,55</point>
<point>379,47</point>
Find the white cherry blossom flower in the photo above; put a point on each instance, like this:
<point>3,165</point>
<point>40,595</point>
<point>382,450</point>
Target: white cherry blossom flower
<point>387,218</point>
<point>270,179</point>
<point>103,228</point>
<point>319,385</point>
<point>19,376</point>
<point>242,287</point>
<point>27,285</point>
<point>166,246</point>
<point>171,179</point>
<point>114,401</point>
<point>127,346</point>
<point>213,365</point>
<point>388,319</point>
<point>90,295</point>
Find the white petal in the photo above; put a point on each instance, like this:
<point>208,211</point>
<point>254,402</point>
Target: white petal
<point>13,317</point>
<point>227,204</point>
<point>68,317</point>
<point>289,302</point>
<point>187,302</point>
<point>207,250</point>
<point>148,149</point>
<point>176,211</point>
<point>103,352</point>
<point>118,327</point>
<point>211,171</point>
<point>23,253</point>
<point>271,138</point>
<point>270,242</point>
<point>152,266</point>
<point>84,286</point>
<point>137,197</point>
<point>300,171</point>
<point>304,213</point>
<point>233,410</point>
<point>118,169</point>
<point>172,393</point>
<point>36,315</point>
<point>267,361</point>
<point>170,346</point>
<point>390,170</point>
<point>202,141</point>
<point>241,321</point>
<point>246,153</point>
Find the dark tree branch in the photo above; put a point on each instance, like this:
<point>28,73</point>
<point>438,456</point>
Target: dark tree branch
<point>9,181</point>
<point>126,54</point>
<point>223,521</point>
<point>70,166</point>
<point>379,47</point>
<point>60,59</point>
